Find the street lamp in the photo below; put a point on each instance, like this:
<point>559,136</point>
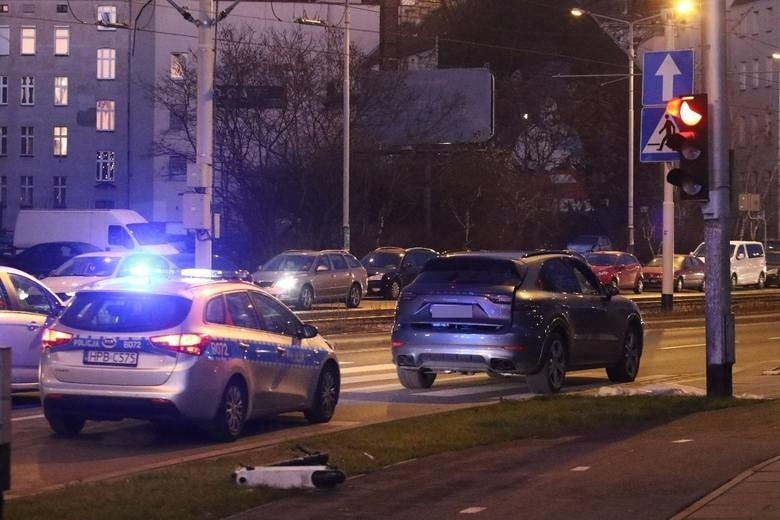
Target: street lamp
<point>599,18</point>
<point>345,88</point>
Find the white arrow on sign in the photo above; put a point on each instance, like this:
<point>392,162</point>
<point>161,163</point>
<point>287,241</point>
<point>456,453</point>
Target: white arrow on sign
<point>668,70</point>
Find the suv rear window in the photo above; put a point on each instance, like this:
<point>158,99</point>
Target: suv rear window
<point>471,270</point>
<point>125,312</point>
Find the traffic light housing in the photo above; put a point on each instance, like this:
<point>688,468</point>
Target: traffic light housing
<point>691,141</point>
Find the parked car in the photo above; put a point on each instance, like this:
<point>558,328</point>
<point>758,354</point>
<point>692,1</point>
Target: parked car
<point>26,307</point>
<point>214,353</point>
<point>617,268</point>
<point>302,278</point>
<point>41,259</point>
<point>589,243</point>
<point>390,269</point>
<point>688,272</point>
<point>747,262</point>
<point>540,314</point>
<point>85,269</point>
<point>773,262</point>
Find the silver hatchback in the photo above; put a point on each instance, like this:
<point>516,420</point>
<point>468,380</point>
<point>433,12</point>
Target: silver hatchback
<point>302,278</point>
<point>215,353</point>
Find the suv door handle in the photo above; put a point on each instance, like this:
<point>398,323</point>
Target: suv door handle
<point>280,349</point>
<point>244,345</point>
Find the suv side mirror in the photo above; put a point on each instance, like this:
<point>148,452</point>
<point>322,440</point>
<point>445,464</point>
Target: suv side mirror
<point>610,290</point>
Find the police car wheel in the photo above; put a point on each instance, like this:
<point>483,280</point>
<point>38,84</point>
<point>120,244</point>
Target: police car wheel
<point>325,397</point>
<point>231,413</point>
<point>66,425</point>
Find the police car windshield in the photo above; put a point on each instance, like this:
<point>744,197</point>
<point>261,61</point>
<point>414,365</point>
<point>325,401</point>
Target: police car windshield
<point>88,266</point>
<point>289,263</point>
<point>125,312</point>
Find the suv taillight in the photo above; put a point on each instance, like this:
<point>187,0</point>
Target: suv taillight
<point>54,338</point>
<point>503,299</point>
<point>193,344</point>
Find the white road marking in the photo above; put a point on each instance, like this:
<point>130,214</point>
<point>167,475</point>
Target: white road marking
<point>457,392</point>
<point>580,468</point>
<point>694,345</point>
<point>682,441</point>
<point>367,379</point>
<point>27,418</point>
<point>369,368</point>
<point>775,337</point>
<point>472,510</point>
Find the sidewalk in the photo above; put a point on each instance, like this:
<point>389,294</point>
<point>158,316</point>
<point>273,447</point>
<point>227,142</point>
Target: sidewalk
<point>721,464</point>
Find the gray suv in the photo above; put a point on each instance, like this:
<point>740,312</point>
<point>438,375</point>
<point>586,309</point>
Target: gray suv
<point>302,278</point>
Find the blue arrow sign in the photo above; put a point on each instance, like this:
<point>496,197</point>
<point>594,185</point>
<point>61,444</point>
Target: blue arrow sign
<point>666,74</point>
<point>656,128</point>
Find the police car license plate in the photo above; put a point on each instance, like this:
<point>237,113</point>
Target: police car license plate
<point>110,357</point>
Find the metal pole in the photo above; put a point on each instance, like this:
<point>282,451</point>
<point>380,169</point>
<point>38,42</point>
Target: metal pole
<point>204,125</point>
<point>345,208</point>
<point>667,243</point>
<point>717,305</point>
<point>631,60</point>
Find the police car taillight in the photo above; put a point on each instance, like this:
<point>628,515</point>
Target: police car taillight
<point>54,338</point>
<point>193,344</point>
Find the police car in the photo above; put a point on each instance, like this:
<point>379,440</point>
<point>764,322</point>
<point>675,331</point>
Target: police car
<point>212,352</point>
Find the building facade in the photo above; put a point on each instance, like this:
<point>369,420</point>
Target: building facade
<point>78,121</point>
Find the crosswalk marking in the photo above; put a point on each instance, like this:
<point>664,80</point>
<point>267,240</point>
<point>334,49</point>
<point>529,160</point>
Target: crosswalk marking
<point>368,368</point>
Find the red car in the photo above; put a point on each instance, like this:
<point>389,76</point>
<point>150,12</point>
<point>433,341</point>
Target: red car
<point>617,268</point>
<point>688,272</point>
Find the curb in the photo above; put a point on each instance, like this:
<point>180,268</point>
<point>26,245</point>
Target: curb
<point>691,509</point>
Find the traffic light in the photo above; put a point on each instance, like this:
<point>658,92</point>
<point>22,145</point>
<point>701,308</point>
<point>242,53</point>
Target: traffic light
<point>691,141</point>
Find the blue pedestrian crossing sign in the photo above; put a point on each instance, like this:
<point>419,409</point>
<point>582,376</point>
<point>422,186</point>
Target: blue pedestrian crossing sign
<point>657,127</point>
<point>666,74</point>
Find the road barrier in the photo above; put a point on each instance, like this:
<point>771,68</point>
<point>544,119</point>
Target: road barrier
<point>5,423</point>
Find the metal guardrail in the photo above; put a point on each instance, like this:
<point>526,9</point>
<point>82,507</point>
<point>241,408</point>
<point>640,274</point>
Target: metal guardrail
<point>354,320</point>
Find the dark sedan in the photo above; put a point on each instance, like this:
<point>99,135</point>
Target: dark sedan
<point>390,269</point>
<point>540,314</point>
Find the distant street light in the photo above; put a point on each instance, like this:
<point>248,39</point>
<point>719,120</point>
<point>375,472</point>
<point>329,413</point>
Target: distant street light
<point>345,187</point>
<point>598,18</point>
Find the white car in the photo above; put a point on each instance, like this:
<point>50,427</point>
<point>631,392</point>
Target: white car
<point>747,262</point>
<point>85,269</point>
<point>26,307</point>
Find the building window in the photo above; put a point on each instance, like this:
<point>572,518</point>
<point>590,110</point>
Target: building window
<point>768,122</point>
<point>5,40</point>
<point>105,112</point>
<point>62,8</point>
<point>742,75</point>
<point>26,192</point>
<point>178,63</point>
<point>27,141</point>
<point>3,8</point>
<point>3,140</point>
<point>106,166</point>
<point>769,72</point>
<point>756,73</point>
<point>28,40</point>
<point>177,166</point>
<point>3,90</point>
<point>61,41</point>
<point>61,90</point>
<point>754,22</point>
<point>3,191</point>
<point>106,63</point>
<point>741,130</point>
<point>60,189</point>
<point>28,90</point>
<point>28,8</point>
<point>60,141</point>
<point>106,16</point>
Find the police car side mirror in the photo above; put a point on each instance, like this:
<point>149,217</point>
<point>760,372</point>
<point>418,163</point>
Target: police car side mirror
<point>308,331</point>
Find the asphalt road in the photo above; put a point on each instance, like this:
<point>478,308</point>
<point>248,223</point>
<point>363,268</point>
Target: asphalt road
<point>370,393</point>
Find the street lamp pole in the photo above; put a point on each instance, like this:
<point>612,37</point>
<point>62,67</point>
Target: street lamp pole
<point>345,202</point>
<point>631,62</point>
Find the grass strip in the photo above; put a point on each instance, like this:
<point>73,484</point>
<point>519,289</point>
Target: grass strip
<point>205,489</point>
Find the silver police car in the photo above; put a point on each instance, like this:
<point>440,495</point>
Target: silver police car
<point>211,352</point>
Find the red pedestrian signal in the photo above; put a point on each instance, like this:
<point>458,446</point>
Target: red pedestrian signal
<point>691,140</point>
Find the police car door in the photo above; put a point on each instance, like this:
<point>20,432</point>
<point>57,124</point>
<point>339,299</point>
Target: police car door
<point>298,365</point>
<point>259,351</point>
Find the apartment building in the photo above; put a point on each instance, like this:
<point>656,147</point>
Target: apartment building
<point>77,119</point>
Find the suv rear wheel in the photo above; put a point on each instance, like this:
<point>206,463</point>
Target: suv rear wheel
<point>416,379</point>
<point>550,379</point>
<point>66,425</point>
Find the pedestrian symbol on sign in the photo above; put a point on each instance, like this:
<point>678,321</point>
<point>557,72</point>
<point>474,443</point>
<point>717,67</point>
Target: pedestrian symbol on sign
<point>657,128</point>
<point>669,129</point>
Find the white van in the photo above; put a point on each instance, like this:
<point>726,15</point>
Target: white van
<point>747,262</point>
<point>108,229</point>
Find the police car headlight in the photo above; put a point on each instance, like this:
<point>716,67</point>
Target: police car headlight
<point>286,283</point>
